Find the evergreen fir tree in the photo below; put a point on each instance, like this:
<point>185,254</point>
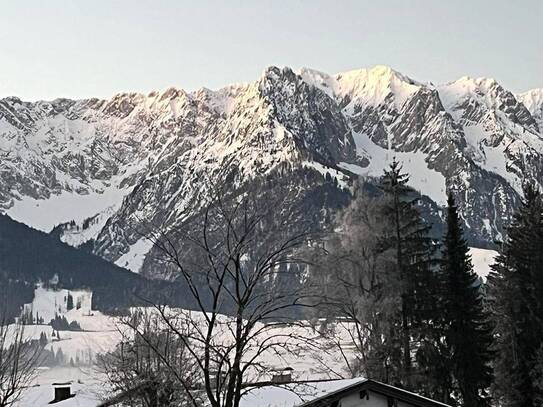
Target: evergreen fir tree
<point>516,290</point>
<point>43,340</point>
<point>70,302</point>
<point>414,255</point>
<point>466,328</point>
<point>537,377</point>
<point>59,357</point>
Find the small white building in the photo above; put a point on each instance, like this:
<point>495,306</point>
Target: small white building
<point>337,393</point>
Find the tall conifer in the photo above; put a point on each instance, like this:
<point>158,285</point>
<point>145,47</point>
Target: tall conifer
<point>466,328</point>
<point>516,290</point>
<point>414,254</point>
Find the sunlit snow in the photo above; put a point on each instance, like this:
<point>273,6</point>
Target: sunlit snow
<point>421,178</point>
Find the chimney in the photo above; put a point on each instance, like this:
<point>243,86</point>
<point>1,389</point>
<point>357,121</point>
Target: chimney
<point>62,391</point>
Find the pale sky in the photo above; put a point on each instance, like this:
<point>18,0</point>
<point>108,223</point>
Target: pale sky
<point>77,49</point>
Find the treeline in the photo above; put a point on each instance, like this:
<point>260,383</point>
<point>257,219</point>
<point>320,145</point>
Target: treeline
<point>28,256</point>
<point>60,323</point>
<point>13,294</point>
<point>419,316</point>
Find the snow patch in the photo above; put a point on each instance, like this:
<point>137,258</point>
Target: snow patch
<point>423,179</point>
<point>133,259</point>
<point>45,214</point>
<point>324,170</point>
<point>482,259</point>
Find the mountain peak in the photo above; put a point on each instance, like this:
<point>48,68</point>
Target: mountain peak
<point>274,72</point>
<point>533,100</point>
<point>487,92</point>
<point>368,86</point>
<point>384,70</point>
<point>532,97</point>
<point>376,84</point>
<point>319,79</point>
<point>471,83</point>
<point>379,73</point>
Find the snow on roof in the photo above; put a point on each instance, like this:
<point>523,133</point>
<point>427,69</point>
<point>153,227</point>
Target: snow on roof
<point>294,394</point>
<point>62,384</point>
<point>312,393</point>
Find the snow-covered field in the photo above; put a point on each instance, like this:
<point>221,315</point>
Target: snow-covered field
<point>86,385</point>
<point>100,333</point>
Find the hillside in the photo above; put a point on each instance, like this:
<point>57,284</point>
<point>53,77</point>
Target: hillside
<point>29,256</point>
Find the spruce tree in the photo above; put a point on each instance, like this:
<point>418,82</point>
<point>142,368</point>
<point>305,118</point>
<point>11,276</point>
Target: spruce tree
<point>70,302</point>
<point>466,329</point>
<point>414,254</point>
<point>43,340</point>
<point>516,289</point>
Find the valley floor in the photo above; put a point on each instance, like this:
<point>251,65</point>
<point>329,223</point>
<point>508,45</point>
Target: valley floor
<point>101,333</point>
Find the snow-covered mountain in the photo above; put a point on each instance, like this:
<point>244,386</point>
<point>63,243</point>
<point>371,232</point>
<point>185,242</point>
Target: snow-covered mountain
<point>103,167</point>
<point>471,136</point>
<point>533,100</point>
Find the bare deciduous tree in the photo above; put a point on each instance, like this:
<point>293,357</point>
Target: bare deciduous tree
<point>359,288</point>
<point>19,357</point>
<point>144,368</point>
<point>240,255</point>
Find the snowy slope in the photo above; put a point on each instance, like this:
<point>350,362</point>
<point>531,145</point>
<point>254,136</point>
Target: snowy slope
<point>423,179</point>
<point>133,259</point>
<point>101,334</point>
<point>86,384</point>
<point>48,303</point>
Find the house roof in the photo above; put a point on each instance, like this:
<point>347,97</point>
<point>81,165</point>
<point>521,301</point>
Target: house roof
<point>376,387</point>
<point>62,384</point>
<point>291,394</point>
<point>319,393</point>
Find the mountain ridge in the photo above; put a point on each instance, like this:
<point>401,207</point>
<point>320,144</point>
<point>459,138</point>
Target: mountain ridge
<point>107,164</point>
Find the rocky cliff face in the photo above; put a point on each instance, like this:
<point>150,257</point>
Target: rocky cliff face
<point>105,168</point>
